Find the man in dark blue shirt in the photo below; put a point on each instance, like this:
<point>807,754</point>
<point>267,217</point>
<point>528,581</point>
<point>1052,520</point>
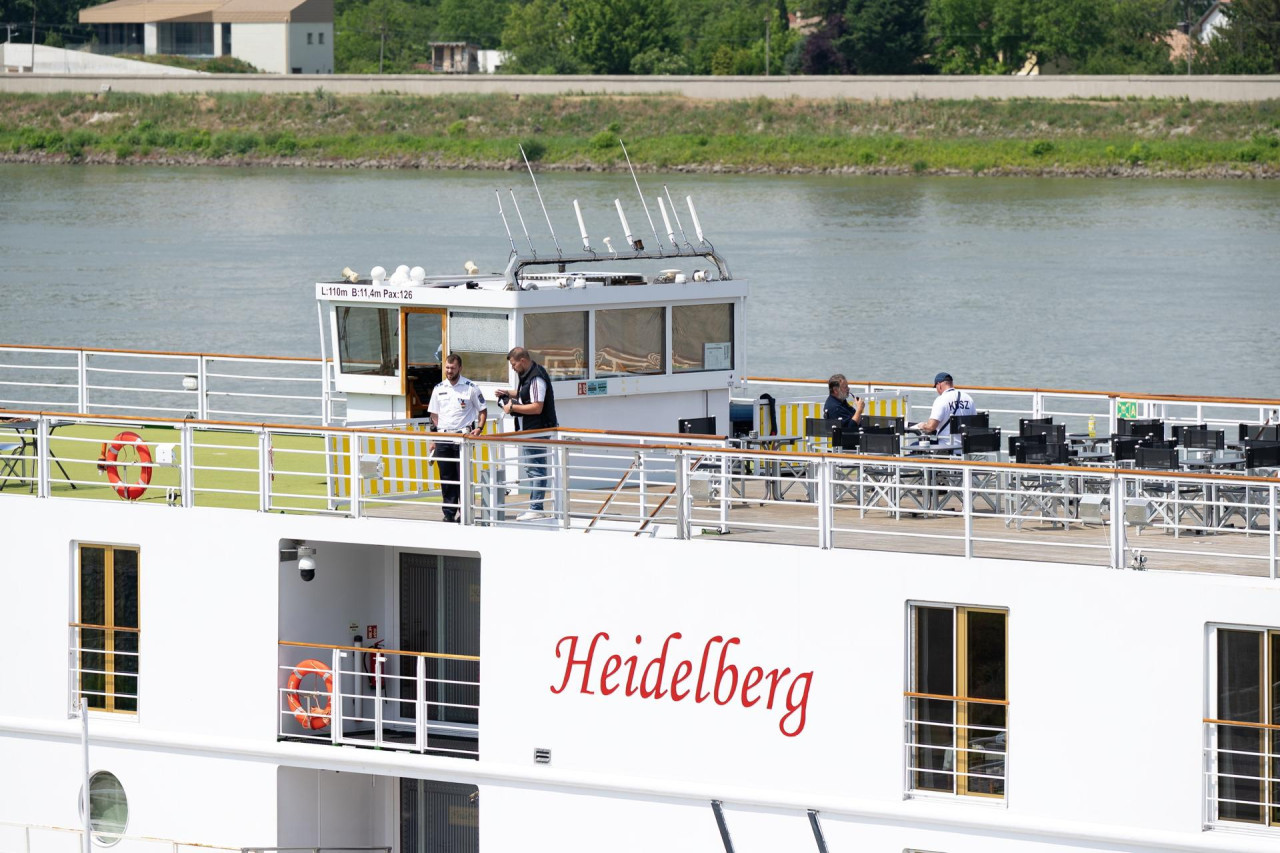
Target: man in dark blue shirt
<point>837,407</point>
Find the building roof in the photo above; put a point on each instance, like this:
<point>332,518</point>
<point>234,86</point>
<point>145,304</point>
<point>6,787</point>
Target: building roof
<point>210,11</point>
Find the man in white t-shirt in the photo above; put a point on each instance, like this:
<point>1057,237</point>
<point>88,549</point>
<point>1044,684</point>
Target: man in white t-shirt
<point>456,406</point>
<point>950,402</point>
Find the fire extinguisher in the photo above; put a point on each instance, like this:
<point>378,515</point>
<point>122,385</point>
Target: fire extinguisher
<point>371,664</point>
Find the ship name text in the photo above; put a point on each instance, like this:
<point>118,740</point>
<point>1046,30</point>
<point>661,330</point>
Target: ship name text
<point>666,676</point>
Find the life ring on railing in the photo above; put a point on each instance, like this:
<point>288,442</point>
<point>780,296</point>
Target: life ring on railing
<point>111,451</point>
<point>309,718</point>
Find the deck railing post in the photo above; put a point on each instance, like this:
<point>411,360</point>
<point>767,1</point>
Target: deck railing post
<point>465,511</point>
<point>335,696</point>
<point>43,455</point>
<point>682,495</point>
<point>825,504</point>
<point>1272,556</point>
<point>82,381</point>
<point>562,485</point>
<point>421,734</point>
<point>1117,521</point>
<point>202,388</point>
<point>264,471</point>
<point>1037,405</point>
<point>966,485</point>
<point>186,465</point>
<point>354,481</point>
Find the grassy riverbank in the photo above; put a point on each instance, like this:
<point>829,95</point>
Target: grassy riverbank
<point>1094,137</point>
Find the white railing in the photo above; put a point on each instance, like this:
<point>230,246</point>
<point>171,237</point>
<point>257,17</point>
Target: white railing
<point>157,384</point>
<point>670,486</point>
<point>103,666</point>
<point>31,837</point>
<point>1008,405</point>
<point>948,751</point>
<point>1242,773</point>
<point>380,698</point>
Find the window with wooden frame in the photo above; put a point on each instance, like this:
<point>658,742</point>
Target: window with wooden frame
<point>1242,726</point>
<point>106,627</point>
<point>957,701</point>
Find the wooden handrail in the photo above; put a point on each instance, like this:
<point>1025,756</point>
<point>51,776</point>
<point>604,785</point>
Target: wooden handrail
<point>1242,724</point>
<point>908,693</point>
<point>110,351</point>
<point>436,655</point>
<point>103,627</point>
<point>1124,395</point>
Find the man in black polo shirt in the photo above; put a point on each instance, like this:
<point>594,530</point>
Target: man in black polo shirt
<point>837,407</point>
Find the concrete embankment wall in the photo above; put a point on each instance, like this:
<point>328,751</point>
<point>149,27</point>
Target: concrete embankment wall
<point>1196,88</point>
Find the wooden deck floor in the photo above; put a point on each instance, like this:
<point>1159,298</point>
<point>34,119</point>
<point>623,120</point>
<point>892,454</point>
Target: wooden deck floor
<point>795,522</point>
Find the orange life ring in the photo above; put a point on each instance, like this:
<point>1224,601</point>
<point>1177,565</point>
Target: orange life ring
<point>309,718</point>
<point>128,491</point>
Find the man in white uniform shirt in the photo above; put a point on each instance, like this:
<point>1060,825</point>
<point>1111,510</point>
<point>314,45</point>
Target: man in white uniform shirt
<point>950,402</point>
<point>456,406</point>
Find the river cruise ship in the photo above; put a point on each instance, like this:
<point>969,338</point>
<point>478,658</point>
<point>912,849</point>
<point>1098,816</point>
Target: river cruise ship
<point>693,615</point>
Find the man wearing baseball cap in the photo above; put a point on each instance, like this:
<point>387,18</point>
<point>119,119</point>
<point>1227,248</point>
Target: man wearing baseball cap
<point>950,402</point>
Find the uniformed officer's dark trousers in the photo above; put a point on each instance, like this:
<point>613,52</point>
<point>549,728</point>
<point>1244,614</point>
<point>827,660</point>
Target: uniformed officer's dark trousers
<point>447,459</point>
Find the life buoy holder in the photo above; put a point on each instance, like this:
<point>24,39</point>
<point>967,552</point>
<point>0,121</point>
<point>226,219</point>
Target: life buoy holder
<point>111,451</point>
<point>311,716</point>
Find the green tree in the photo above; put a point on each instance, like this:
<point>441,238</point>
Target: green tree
<point>1248,44</point>
<point>475,21</point>
<point>605,35</point>
<point>1000,36</point>
<point>1134,42</point>
<point>536,39</point>
<point>391,36</point>
<point>884,36</point>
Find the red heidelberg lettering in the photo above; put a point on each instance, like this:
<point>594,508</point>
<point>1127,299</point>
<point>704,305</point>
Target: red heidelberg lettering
<point>659,678</point>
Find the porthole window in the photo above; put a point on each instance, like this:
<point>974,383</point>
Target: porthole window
<point>108,808</point>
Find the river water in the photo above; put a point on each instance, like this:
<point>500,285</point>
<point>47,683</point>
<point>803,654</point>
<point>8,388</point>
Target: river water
<point>1069,283</point>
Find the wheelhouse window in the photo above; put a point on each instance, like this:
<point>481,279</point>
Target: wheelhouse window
<point>701,337</point>
<point>368,341</point>
<point>1243,726</point>
<point>957,701</point>
<point>630,341</point>
<point>558,341</point>
<point>106,631</point>
<point>481,340</point>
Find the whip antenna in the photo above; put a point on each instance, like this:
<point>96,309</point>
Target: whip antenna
<point>510,239</point>
<point>540,201</point>
<point>582,228</point>
<point>676,214</point>
<point>697,226</point>
<point>645,204</point>
<point>516,204</point>
<point>666,223</point>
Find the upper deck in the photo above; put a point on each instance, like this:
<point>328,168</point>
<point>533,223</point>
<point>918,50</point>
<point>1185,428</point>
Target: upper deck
<point>232,446</point>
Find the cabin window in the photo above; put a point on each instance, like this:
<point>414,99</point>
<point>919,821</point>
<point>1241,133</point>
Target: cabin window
<point>439,816</point>
<point>108,808</point>
<point>1243,726</point>
<point>106,628</point>
<point>702,337</point>
<point>558,341</point>
<point>957,700</point>
<point>630,341</point>
<point>481,341</point>
<point>368,341</point>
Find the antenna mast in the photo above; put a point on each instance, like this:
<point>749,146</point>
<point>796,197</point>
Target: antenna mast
<point>656,239</point>
<point>559,251</point>
<point>510,239</point>
<point>516,204</point>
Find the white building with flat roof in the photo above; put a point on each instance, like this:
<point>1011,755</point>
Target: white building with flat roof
<point>275,36</point>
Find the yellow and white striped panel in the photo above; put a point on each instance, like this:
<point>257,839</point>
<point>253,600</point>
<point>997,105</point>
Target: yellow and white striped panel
<point>887,405</point>
<point>406,465</point>
<point>791,416</point>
